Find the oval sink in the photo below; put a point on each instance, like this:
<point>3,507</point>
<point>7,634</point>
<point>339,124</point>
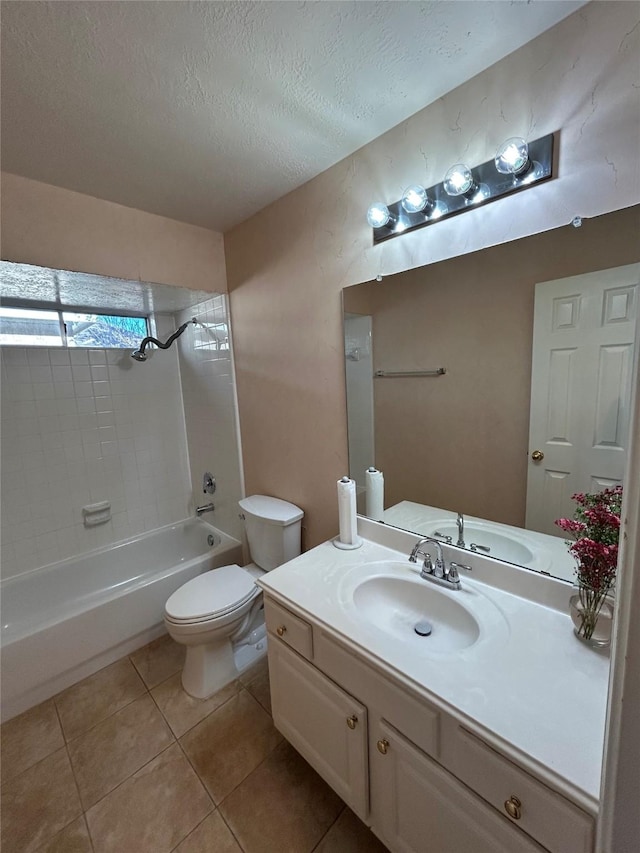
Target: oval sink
<point>395,605</point>
<point>503,546</point>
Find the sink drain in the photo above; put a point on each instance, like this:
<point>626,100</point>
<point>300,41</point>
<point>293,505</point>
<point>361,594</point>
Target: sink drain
<point>423,629</point>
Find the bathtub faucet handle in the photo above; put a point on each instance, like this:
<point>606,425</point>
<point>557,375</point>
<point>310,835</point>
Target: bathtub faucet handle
<point>208,483</point>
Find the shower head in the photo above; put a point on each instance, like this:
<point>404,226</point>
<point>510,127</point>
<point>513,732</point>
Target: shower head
<point>140,354</point>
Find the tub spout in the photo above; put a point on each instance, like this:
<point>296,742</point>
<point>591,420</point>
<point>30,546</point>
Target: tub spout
<point>200,510</point>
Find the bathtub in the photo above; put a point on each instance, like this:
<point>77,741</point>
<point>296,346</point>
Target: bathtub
<point>65,621</point>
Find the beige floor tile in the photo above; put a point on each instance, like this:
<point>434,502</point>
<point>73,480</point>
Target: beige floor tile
<point>73,839</point>
<point>349,835</point>
<point>95,698</point>
<point>159,660</point>
<point>226,746</point>
<point>182,711</point>
<point>212,836</point>
<point>153,810</point>
<point>283,805</point>
<point>118,746</point>
<point>253,672</point>
<point>29,738</point>
<point>38,803</point>
<point>260,689</point>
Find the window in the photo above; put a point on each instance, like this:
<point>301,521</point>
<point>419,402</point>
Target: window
<point>37,327</point>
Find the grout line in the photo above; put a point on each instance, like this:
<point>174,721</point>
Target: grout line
<point>342,811</point>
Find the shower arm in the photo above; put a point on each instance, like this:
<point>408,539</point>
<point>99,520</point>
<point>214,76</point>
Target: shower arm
<point>140,355</point>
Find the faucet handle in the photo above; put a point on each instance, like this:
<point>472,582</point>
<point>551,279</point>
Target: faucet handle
<point>427,566</point>
<point>453,574</point>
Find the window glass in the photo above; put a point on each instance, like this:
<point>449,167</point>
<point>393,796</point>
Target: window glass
<point>35,328</point>
<point>103,330</point>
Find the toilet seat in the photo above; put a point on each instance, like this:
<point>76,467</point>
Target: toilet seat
<point>212,595</point>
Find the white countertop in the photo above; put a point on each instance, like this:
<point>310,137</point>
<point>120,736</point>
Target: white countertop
<point>530,684</point>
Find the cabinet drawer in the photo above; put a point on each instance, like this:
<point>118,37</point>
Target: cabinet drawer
<point>289,628</point>
<point>556,823</point>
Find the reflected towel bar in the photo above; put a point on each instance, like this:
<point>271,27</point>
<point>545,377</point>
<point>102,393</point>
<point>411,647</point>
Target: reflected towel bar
<point>388,374</point>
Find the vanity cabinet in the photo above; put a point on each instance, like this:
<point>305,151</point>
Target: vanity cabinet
<point>326,725</point>
<point>423,781</point>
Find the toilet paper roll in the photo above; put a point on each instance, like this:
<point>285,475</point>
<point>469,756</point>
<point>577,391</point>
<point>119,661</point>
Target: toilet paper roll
<point>347,518</point>
<point>374,485</point>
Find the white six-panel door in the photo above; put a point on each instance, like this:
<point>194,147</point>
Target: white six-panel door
<point>584,328</point>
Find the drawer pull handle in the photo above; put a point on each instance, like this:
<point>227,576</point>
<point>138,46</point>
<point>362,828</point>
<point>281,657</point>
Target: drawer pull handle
<point>352,721</point>
<point>281,630</point>
<point>513,807</point>
<point>383,746</point>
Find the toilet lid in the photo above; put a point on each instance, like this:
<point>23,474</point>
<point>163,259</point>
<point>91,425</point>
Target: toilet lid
<point>211,594</point>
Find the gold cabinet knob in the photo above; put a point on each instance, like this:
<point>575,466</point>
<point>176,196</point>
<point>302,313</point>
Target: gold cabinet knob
<point>513,807</point>
<point>352,721</point>
<point>281,630</point>
<point>383,746</point>
<point>537,456</point>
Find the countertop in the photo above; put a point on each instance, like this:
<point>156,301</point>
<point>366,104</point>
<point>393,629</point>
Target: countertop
<point>532,686</point>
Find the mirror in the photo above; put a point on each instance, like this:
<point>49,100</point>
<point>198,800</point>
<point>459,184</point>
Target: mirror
<point>458,442</point>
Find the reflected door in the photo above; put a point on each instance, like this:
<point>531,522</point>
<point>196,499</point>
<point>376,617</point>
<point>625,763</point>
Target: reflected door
<point>583,346</point>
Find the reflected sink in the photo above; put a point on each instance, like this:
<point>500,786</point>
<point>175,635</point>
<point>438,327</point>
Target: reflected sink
<point>395,604</point>
<point>503,546</point>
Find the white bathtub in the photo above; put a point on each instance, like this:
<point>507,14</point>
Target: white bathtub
<point>67,620</point>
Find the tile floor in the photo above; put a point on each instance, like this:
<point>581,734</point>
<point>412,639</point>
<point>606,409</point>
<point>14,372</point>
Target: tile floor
<point>126,762</point>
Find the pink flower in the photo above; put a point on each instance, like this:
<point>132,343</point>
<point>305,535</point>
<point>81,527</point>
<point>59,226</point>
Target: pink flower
<point>596,529</point>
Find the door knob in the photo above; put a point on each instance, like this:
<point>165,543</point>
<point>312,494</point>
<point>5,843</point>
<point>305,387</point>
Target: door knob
<point>352,721</point>
<point>281,630</point>
<point>383,746</point>
<point>537,455</point>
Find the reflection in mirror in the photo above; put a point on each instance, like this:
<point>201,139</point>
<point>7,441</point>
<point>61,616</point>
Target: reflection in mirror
<point>528,369</point>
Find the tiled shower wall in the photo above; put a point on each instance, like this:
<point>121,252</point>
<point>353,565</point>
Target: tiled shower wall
<point>209,396</point>
<point>81,426</point>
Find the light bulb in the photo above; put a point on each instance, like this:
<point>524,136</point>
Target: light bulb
<point>458,180</point>
<point>512,157</point>
<point>378,215</point>
<point>414,199</point>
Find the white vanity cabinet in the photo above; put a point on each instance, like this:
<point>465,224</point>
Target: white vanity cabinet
<point>411,771</point>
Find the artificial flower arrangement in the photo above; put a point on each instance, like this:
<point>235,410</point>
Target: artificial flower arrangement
<point>596,528</point>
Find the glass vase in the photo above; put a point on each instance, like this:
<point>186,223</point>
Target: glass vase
<point>592,616</point>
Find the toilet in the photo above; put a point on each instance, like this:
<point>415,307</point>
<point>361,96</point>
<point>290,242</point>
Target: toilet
<point>214,613</point>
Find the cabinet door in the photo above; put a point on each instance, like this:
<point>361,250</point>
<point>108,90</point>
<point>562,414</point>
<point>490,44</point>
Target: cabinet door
<point>417,807</point>
<point>326,725</point>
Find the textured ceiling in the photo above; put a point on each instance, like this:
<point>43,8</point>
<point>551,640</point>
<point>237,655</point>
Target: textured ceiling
<point>206,112</point>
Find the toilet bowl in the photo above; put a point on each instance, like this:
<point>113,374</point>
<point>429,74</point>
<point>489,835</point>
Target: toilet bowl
<point>217,614</point>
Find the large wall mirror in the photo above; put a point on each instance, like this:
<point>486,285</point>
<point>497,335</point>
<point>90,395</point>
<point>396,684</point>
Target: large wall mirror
<point>484,439</point>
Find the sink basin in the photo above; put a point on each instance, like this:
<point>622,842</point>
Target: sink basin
<point>395,604</point>
<point>502,545</point>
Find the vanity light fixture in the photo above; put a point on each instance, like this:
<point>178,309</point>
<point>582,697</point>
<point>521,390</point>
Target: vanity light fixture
<point>517,165</point>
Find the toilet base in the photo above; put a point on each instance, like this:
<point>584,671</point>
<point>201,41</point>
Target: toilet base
<point>208,668</point>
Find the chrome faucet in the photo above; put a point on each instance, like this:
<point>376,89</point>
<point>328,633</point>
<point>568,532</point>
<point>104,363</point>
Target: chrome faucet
<point>200,510</point>
<point>437,572</point>
<point>460,523</point>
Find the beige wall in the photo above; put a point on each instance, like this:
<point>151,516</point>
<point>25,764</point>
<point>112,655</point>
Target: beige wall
<point>52,227</point>
<point>460,441</point>
<point>287,265</point>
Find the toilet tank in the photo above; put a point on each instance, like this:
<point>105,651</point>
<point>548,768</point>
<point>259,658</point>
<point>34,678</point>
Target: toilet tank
<point>273,530</point>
